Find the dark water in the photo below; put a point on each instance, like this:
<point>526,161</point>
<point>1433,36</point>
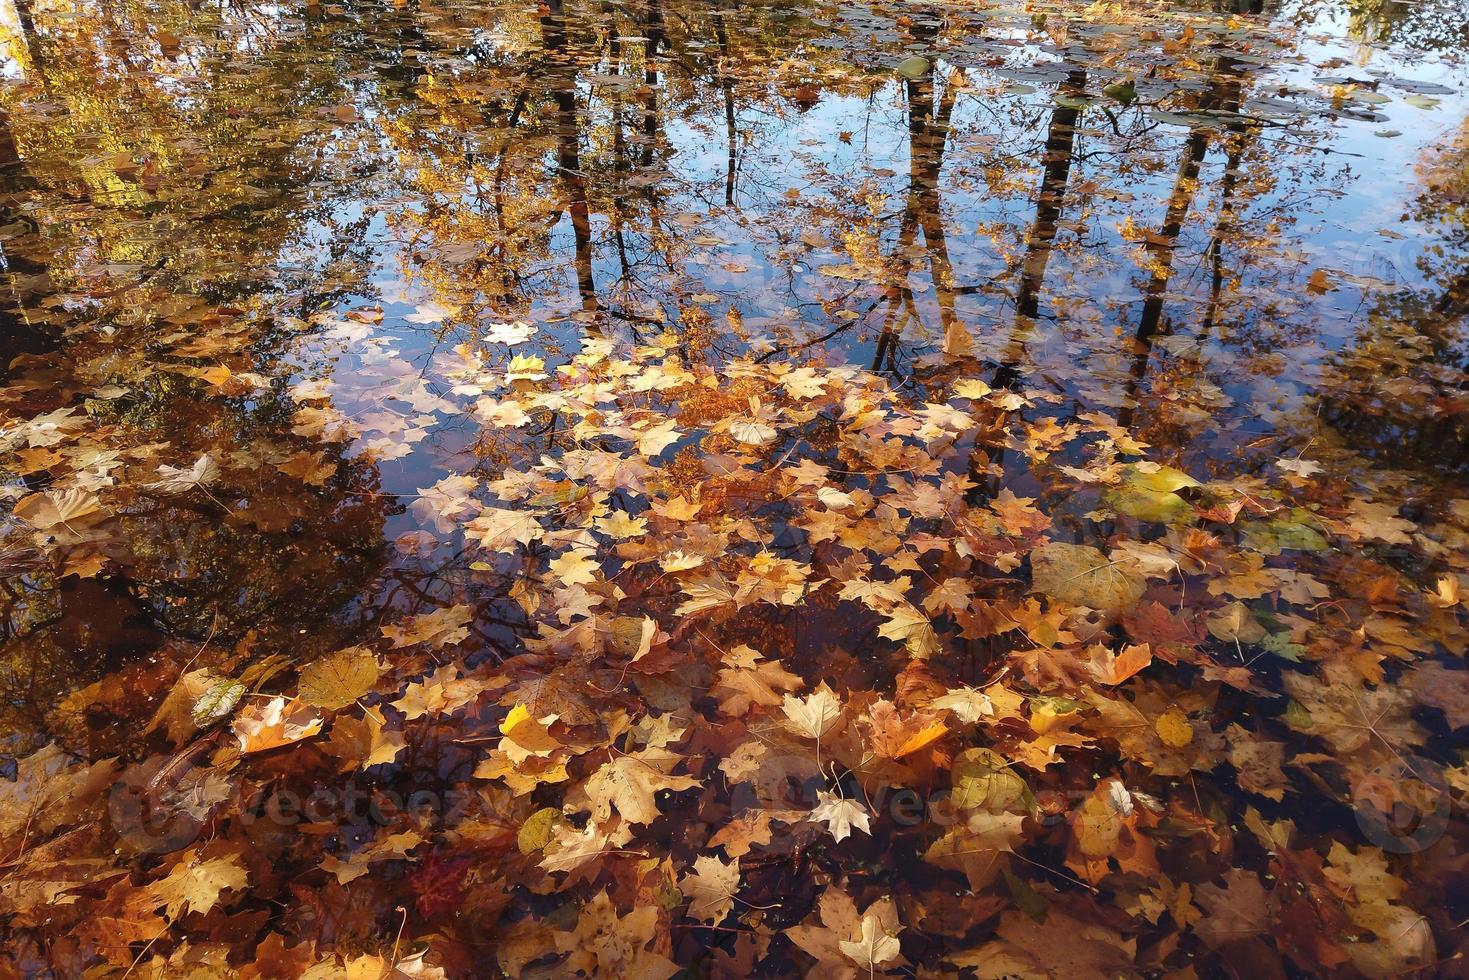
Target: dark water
<point>272,233</point>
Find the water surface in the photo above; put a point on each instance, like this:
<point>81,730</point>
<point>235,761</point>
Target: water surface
<point>292,249</point>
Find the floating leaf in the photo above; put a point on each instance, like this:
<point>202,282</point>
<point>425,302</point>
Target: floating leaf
<point>914,68</point>
<point>340,678</point>
<point>217,701</point>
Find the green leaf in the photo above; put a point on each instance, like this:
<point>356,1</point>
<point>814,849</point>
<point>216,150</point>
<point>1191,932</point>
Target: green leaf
<point>535,833</point>
<point>1056,704</point>
<point>914,68</point>
<point>217,701</point>
<point>1071,101</point>
<point>1157,478</point>
<point>984,780</point>
<point>1148,505</point>
<point>1124,91</point>
<point>1149,493</point>
<point>1025,897</point>
<point>1277,535</point>
<point>1280,644</point>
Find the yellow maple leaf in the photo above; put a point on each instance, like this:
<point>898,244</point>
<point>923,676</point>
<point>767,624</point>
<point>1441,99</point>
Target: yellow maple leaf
<point>575,567</point>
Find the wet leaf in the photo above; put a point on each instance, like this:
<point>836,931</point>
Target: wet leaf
<point>1081,575</point>
<point>340,678</point>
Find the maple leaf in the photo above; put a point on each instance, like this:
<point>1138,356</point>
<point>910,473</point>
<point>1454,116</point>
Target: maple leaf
<point>968,704</point>
<point>739,835</point>
<point>892,736</point>
<point>525,367</point>
<point>749,680</point>
<point>439,628</point>
<point>1060,946</point>
<point>619,524</point>
<point>814,715</point>
<point>1107,667</point>
<point>606,945</point>
<point>1298,466</point>
<point>365,741</point>
<point>195,882</point>
<point>205,472</point>
<point>676,508</point>
<point>553,694</point>
<point>804,383</point>
<point>709,592</point>
<point>844,938</point>
<point>1238,910</point>
<point>1363,874</point>
<point>977,847</point>
<point>711,889</point>
<point>47,510</point>
<point>525,736</point>
<point>573,848</point>
<point>308,467</point>
<point>840,815</point>
<point>951,595</point>
<point>500,528</point>
<point>511,332</point>
<point>1019,514</point>
<point>839,921</point>
<point>441,692</point>
<point>575,567</point>
<point>629,783</point>
<point>912,628</point>
<point>971,388</point>
<point>1380,520</point>
<point>1257,763</point>
<point>389,848</point>
<point>654,439</point>
<point>1448,592</point>
<point>276,723</point>
<point>1443,688</point>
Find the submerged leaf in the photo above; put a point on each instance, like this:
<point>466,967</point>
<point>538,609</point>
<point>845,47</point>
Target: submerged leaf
<point>1081,575</point>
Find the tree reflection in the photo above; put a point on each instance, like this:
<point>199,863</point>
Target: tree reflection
<point>1398,392</point>
<point>167,263</point>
